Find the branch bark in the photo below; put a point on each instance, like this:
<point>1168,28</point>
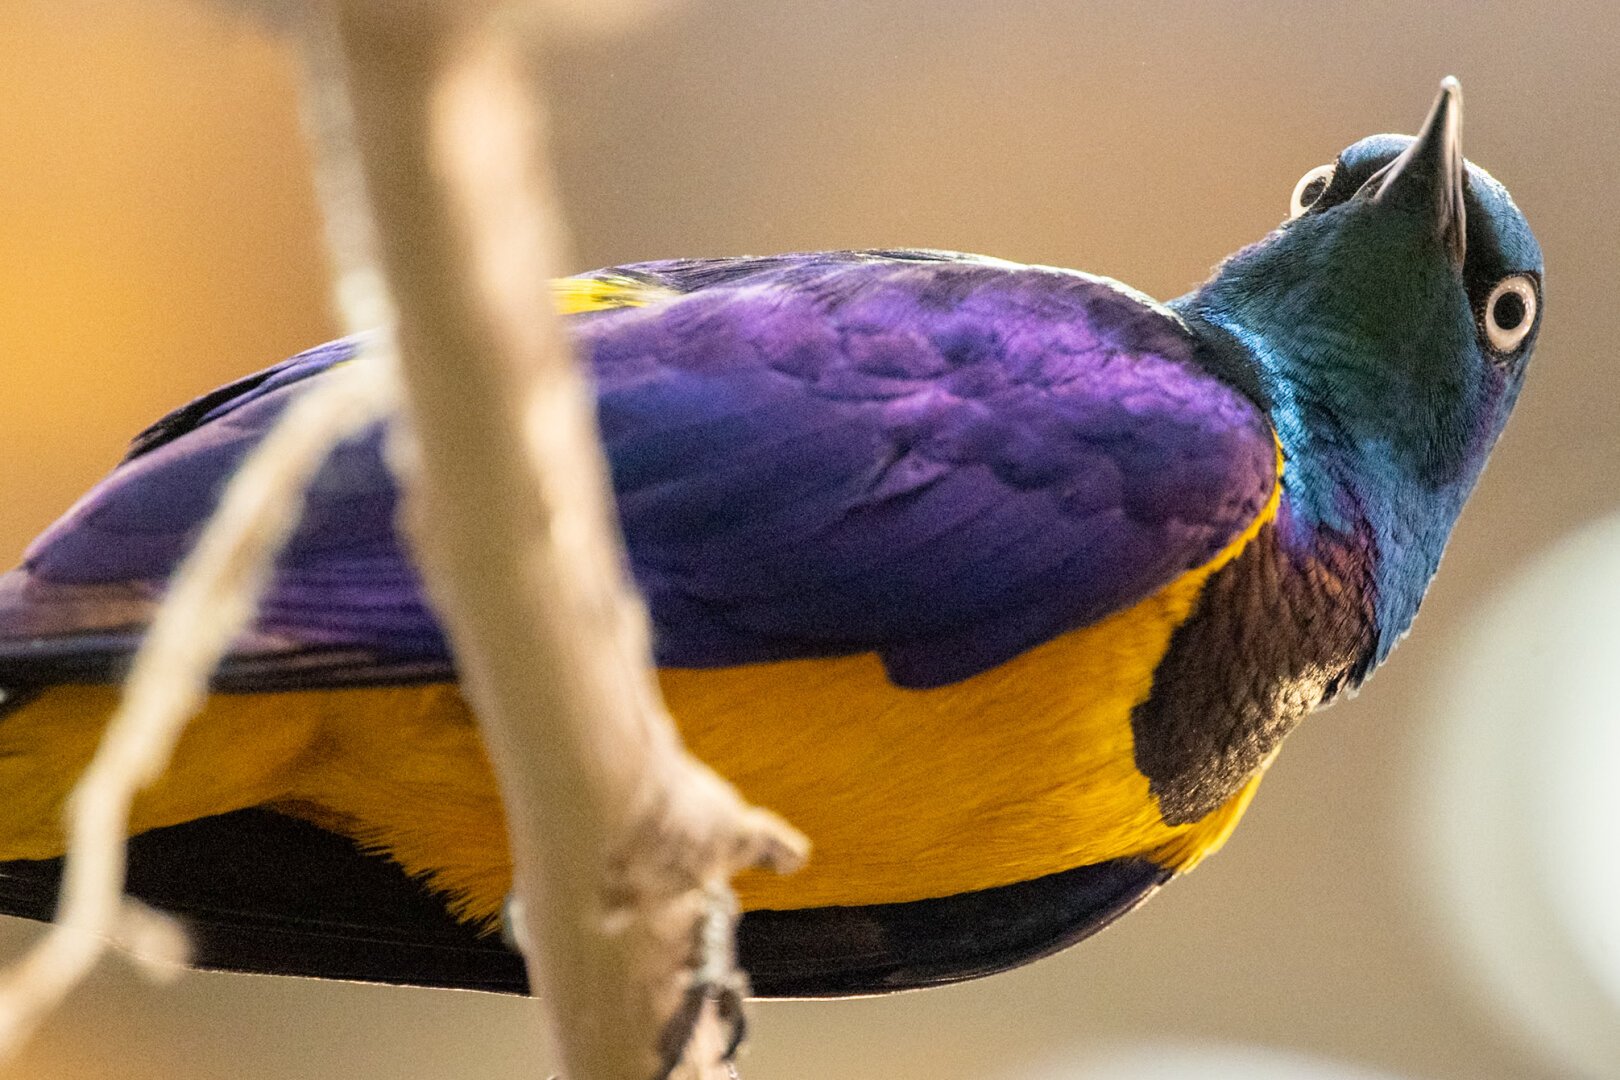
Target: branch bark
<point>622,842</point>
<point>213,596</point>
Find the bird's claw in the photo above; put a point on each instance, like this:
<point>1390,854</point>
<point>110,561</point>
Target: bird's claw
<point>713,977</point>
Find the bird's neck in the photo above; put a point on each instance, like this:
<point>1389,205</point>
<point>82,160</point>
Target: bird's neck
<point>1348,502</point>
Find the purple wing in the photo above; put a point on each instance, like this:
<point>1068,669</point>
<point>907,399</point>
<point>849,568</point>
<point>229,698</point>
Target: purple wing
<point>941,459</point>
<point>344,606</point>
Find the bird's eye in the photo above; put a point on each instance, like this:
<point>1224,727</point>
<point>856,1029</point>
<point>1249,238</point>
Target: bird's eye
<point>1309,189</point>
<point>1510,311</point>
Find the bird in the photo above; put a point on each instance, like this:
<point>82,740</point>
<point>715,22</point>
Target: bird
<point>1002,582</point>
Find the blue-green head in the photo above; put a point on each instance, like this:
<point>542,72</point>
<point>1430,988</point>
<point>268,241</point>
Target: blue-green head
<point>1387,326</point>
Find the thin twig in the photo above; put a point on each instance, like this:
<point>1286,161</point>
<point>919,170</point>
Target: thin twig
<point>211,600</point>
<point>622,842</point>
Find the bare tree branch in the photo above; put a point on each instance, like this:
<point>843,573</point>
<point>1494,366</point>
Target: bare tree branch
<point>212,598</point>
<point>622,842</point>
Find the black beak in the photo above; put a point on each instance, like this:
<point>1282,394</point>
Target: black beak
<point>1429,174</point>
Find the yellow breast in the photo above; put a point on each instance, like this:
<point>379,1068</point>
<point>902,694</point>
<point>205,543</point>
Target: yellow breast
<point>1022,771</point>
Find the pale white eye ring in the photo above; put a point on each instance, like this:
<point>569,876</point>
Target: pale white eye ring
<point>1309,189</point>
<point>1510,312</point>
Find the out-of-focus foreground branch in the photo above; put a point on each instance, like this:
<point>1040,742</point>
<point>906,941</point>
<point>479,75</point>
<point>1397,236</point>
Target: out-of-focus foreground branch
<point>622,843</point>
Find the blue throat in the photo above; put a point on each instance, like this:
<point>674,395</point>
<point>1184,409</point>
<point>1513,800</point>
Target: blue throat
<point>1343,489</point>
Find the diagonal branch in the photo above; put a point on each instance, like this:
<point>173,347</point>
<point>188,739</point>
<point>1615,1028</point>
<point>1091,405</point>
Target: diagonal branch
<point>211,600</point>
<point>622,843</point>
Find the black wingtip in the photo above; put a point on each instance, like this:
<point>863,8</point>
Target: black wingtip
<point>879,948</point>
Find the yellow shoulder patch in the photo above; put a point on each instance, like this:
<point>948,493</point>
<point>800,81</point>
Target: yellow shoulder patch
<point>603,292</point>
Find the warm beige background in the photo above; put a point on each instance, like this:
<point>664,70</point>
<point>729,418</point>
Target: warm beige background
<point>156,238</point>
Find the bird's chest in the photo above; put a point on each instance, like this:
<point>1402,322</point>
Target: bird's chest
<point>1276,632</point>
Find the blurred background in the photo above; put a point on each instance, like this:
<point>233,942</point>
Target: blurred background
<point>1425,887</point>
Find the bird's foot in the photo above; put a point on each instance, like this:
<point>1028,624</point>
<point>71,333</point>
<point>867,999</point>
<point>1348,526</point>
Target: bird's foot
<point>712,977</point>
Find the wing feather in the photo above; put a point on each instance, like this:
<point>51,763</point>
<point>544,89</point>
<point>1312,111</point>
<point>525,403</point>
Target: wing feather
<point>941,459</point>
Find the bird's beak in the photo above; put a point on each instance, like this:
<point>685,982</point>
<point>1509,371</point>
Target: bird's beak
<point>1429,174</point>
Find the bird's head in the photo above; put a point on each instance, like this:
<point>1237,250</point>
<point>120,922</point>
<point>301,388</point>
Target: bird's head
<point>1388,324</point>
